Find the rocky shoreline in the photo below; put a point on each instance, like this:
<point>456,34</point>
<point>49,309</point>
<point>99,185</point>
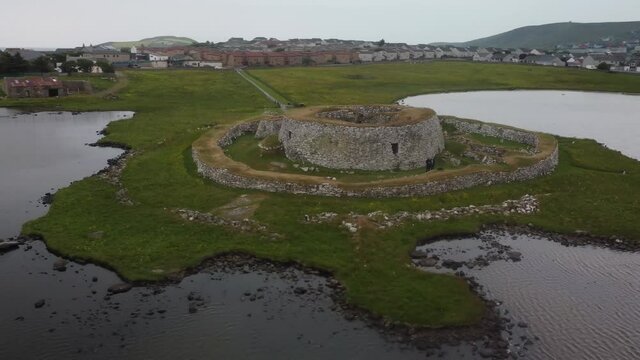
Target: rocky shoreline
<point>485,337</point>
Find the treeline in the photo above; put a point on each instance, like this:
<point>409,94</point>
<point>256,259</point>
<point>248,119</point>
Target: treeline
<point>16,64</point>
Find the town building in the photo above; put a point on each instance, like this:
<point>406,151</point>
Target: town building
<point>42,87</point>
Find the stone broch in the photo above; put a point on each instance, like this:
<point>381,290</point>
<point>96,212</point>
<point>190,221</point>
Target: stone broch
<point>376,137</point>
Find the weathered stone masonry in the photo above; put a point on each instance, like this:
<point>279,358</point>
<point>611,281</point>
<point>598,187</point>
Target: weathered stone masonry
<point>332,188</point>
<point>364,148</point>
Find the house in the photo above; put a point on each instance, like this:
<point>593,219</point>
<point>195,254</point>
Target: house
<point>180,60</point>
<point>379,55</point>
<point>156,57</point>
<point>593,60</point>
<point>32,87</point>
<point>390,55</point>
<point>100,53</point>
<point>404,55</point>
<point>26,54</point>
<point>545,60</point>
<point>319,58</point>
<point>42,87</point>
<point>511,58</point>
<point>429,54</point>
<point>574,63</point>
<point>255,58</point>
<point>482,56</point>
<point>365,56</point>
<point>276,58</point>
<point>294,58</point>
<point>536,52</point>
<point>497,57</point>
<point>342,57</point>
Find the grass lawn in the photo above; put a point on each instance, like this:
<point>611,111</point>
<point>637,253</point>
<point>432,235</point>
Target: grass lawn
<point>147,241</point>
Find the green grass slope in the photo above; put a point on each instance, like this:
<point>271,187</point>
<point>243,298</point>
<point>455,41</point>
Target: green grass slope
<point>549,35</point>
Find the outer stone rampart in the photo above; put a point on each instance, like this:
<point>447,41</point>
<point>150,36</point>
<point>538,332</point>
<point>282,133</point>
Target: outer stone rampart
<point>312,186</point>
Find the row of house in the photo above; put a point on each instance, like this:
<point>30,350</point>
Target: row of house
<point>614,61</point>
<point>237,52</point>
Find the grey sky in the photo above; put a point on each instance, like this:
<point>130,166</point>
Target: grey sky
<point>66,23</point>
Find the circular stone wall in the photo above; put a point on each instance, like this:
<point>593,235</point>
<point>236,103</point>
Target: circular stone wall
<point>362,137</point>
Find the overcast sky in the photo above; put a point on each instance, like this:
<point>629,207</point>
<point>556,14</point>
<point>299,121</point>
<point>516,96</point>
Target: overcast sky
<point>67,23</point>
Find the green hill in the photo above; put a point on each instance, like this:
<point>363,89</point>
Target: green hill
<point>158,41</point>
<point>550,35</point>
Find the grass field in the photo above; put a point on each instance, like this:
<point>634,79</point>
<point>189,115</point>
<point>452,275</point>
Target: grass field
<point>385,83</point>
<point>147,241</point>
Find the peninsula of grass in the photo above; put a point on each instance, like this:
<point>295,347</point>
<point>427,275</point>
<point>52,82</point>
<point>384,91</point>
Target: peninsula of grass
<point>593,189</point>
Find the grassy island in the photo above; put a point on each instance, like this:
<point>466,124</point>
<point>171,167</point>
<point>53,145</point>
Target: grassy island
<point>593,189</point>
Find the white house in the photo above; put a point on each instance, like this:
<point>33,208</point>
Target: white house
<point>484,56</point>
<point>545,60</point>
<point>390,55</point>
<point>536,52</point>
<point>154,57</point>
<point>404,55</point>
<point>379,55</point>
<point>365,56</point>
<point>512,58</point>
<point>593,60</point>
<point>429,54</point>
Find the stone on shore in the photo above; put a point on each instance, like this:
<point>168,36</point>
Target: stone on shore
<point>6,246</point>
<point>514,255</point>
<point>119,288</point>
<point>419,254</point>
<point>60,265</point>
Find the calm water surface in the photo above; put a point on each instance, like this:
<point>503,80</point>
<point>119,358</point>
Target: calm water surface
<point>42,152</point>
<point>611,119</point>
<point>581,302</point>
<point>240,313</point>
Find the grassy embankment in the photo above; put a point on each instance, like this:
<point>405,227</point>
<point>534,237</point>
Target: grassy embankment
<point>147,241</point>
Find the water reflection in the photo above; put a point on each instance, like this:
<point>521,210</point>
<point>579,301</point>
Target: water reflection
<point>581,302</point>
<point>610,119</point>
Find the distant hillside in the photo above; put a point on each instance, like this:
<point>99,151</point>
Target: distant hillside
<point>158,41</point>
<point>549,35</point>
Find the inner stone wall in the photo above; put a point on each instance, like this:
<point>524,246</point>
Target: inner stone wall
<point>502,132</point>
<point>364,148</point>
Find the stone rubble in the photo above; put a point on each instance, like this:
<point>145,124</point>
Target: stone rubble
<point>112,174</point>
<point>244,225</point>
<point>527,204</point>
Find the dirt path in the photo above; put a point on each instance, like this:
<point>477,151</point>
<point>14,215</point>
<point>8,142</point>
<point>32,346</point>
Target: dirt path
<point>121,83</point>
